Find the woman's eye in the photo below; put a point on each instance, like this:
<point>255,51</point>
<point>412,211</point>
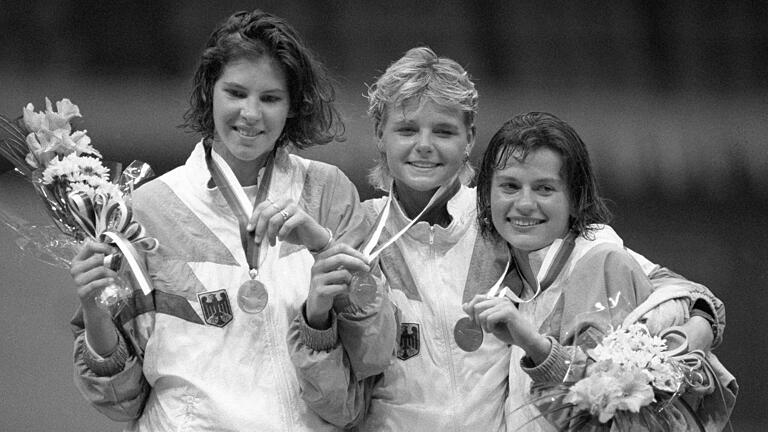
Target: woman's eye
<point>270,99</point>
<point>235,93</point>
<point>508,187</point>
<point>546,189</point>
<point>406,130</point>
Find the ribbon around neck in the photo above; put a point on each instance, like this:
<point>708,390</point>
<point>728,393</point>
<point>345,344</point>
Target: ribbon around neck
<point>108,218</point>
<point>441,196</point>
<point>553,264</point>
<point>238,201</point>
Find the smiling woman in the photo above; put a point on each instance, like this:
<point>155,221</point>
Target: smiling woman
<point>424,145</point>
<point>531,205</point>
<point>237,221</point>
<point>250,107</point>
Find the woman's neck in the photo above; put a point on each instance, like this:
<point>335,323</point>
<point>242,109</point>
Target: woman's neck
<point>413,202</point>
<point>246,172</point>
<point>530,262</point>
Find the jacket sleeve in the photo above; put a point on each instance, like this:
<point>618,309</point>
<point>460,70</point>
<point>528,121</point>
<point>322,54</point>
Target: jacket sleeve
<point>328,384</point>
<point>669,286</point>
<point>118,388</point>
<point>332,199</point>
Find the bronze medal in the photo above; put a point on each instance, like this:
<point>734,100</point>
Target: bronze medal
<point>468,334</point>
<point>252,297</point>
<point>362,289</point>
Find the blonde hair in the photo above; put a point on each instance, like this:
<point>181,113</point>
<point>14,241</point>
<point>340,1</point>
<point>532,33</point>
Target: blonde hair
<point>417,76</point>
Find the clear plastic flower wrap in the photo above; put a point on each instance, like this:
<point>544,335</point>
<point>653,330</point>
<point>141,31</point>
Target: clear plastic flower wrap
<point>622,378</point>
<point>82,197</point>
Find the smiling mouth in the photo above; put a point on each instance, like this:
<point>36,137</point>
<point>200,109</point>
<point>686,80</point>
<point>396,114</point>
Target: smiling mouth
<point>247,132</point>
<point>525,222</point>
<point>424,165</point>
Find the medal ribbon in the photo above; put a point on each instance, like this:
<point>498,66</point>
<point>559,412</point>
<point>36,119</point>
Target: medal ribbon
<point>238,201</point>
<point>441,196</point>
<point>107,218</point>
<point>553,264</point>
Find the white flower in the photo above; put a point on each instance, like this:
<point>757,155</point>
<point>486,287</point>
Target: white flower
<point>51,133</point>
<point>51,119</point>
<point>74,168</point>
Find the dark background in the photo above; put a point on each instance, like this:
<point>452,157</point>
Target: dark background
<point>670,97</point>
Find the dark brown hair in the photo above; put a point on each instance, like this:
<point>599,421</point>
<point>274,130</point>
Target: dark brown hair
<point>315,120</point>
<point>529,132</point>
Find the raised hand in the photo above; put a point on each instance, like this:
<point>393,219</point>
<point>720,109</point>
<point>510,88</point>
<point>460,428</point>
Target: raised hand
<point>91,276</point>
<point>282,218</point>
<point>331,275</point>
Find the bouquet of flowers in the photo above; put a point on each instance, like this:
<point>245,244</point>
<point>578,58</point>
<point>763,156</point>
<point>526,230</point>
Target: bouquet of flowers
<point>630,381</point>
<point>68,173</point>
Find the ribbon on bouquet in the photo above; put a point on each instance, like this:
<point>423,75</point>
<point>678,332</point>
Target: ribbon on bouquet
<point>701,378</point>
<point>107,218</point>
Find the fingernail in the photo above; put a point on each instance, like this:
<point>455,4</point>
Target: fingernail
<point>249,228</point>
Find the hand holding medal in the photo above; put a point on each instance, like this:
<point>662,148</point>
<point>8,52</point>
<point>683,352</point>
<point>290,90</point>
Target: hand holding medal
<point>331,274</point>
<point>493,311</point>
<point>363,287</point>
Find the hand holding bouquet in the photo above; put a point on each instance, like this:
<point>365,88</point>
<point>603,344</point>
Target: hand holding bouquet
<point>631,381</point>
<point>68,174</point>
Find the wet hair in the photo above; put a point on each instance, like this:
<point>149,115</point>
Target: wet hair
<point>314,119</point>
<point>418,76</point>
<point>527,133</point>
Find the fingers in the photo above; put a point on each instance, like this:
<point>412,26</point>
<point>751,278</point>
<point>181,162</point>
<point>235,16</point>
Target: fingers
<point>276,218</point>
<point>340,256</point>
<point>90,248</point>
<point>494,320</point>
<point>341,248</point>
<point>263,214</point>
<point>469,307</point>
<point>88,271</point>
<point>481,303</point>
<point>88,264</point>
<point>497,309</point>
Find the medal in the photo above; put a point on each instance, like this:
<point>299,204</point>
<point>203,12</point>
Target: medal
<point>362,288</point>
<point>465,328</point>
<point>468,334</point>
<point>252,296</point>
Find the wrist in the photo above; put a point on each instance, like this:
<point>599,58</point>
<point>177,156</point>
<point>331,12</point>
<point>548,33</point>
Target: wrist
<point>538,349</point>
<point>317,317</point>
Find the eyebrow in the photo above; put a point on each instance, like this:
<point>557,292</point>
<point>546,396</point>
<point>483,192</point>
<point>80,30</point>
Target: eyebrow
<point>538,180</point>
<point>238,85</point>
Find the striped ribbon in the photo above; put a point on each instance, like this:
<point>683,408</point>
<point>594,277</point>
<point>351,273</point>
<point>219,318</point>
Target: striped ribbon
<point>441,196</point>
<point>108,218</point>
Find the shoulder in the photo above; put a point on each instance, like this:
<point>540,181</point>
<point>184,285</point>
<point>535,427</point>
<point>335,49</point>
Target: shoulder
<point>374,206</point>
<point>155,190</point>
<point>317,173</point>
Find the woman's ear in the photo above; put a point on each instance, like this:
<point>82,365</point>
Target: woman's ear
<point>471,136</point>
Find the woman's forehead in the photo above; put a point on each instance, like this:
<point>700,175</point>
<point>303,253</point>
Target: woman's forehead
<point>413,107</point>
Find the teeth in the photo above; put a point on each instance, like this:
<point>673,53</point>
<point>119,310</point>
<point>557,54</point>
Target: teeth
<point>247,132</point>
<point>525,223</point>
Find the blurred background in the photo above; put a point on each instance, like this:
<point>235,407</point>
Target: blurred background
<point>670,97</point>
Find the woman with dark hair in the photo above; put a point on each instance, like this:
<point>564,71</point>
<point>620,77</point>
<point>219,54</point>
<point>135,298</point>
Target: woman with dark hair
<point>537,192</point>
<point>238,225</point>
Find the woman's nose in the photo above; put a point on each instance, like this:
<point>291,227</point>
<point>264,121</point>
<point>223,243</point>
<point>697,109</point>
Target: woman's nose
<point>424,142</point>
<point>251,110</point>
<point>525,202</point>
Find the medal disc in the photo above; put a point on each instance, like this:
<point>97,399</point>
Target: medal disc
<point>252,296</point>
<point>362,289</point>
<point>468,334</point>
